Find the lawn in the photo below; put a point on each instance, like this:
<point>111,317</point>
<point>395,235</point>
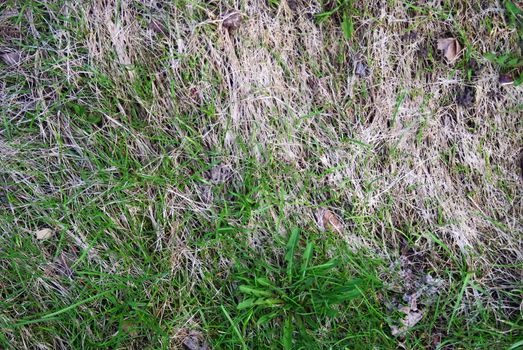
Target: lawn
<point>261,174</point>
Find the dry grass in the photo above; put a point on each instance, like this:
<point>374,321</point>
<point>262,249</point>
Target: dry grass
<point>424,180</point>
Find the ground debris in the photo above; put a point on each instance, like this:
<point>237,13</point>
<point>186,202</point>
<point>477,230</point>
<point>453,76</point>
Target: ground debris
<point>327,220</point>
<point>411,318</point>
<point>465,97</point>
<point>11,58</point>
<point>194,340</point>
<point>451,49</point>
<point>44,234</point>
<point>232,20</point>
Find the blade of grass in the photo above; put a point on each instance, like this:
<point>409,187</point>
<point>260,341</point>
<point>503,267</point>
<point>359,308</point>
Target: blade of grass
<point>234,327</point>
<point>287,334</point>
<point>289,256</point>
<point>459,299</point>
<point>51,315</point>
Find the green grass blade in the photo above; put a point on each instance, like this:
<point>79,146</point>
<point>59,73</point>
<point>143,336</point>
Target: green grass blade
<point>235,328</point>
<point>516,345</point>
<point>51,315</point>
<point>254,291</point>
<point>458,301</point>
<point>306,258</point>
<point>287,334</point>
<point>347,25</point>
<point>291,247</point>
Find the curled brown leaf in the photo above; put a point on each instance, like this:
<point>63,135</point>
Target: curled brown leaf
<point>451,49</point>
<point>232,20</point>
<point>44,234</point>
<point>327,220</point>
<point>411,318</point>
<point>195,341</point>
<point>12,58</point>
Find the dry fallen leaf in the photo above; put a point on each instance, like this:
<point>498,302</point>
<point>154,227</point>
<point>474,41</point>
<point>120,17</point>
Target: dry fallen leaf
<point>43,234</point>
<point>130,327</point>
<point>362,70</point>
<point>232,20</point>
<point>293,5</point>
<point>327,220</point>
<point>220,174</point>
<point>11,58</point>
<point>195,341</point>
<point>450,47</point>
<point>411,318</point>
<point>61,265</point>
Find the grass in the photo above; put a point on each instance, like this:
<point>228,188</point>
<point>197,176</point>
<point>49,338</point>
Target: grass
<point>183,172</point>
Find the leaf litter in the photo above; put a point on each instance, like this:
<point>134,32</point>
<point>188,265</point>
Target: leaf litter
<point>44,234</point>
<point>12,58</point>
<point>411,318</point>
<point>419,291</point>
<point>61,265</point>
<point>451,49</point>
<point>194,340</point>
<point>232,20</point>
<point>327,220</point>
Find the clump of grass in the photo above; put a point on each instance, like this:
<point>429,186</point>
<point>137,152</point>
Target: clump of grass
<point>298,299</point>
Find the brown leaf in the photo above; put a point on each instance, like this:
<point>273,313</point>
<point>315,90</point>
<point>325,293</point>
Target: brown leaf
<point>220,174</point>
<point>130,327</point>
<point>61,265</point>
<point>411,318</point>
<point>44,234</point>
<point>362,70</point>
<point>12,58</point>
<point>293,4</point>
<point>327,220</point>
<point>232,20</point>
<point>195,341</point>
<point>451,49</point>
